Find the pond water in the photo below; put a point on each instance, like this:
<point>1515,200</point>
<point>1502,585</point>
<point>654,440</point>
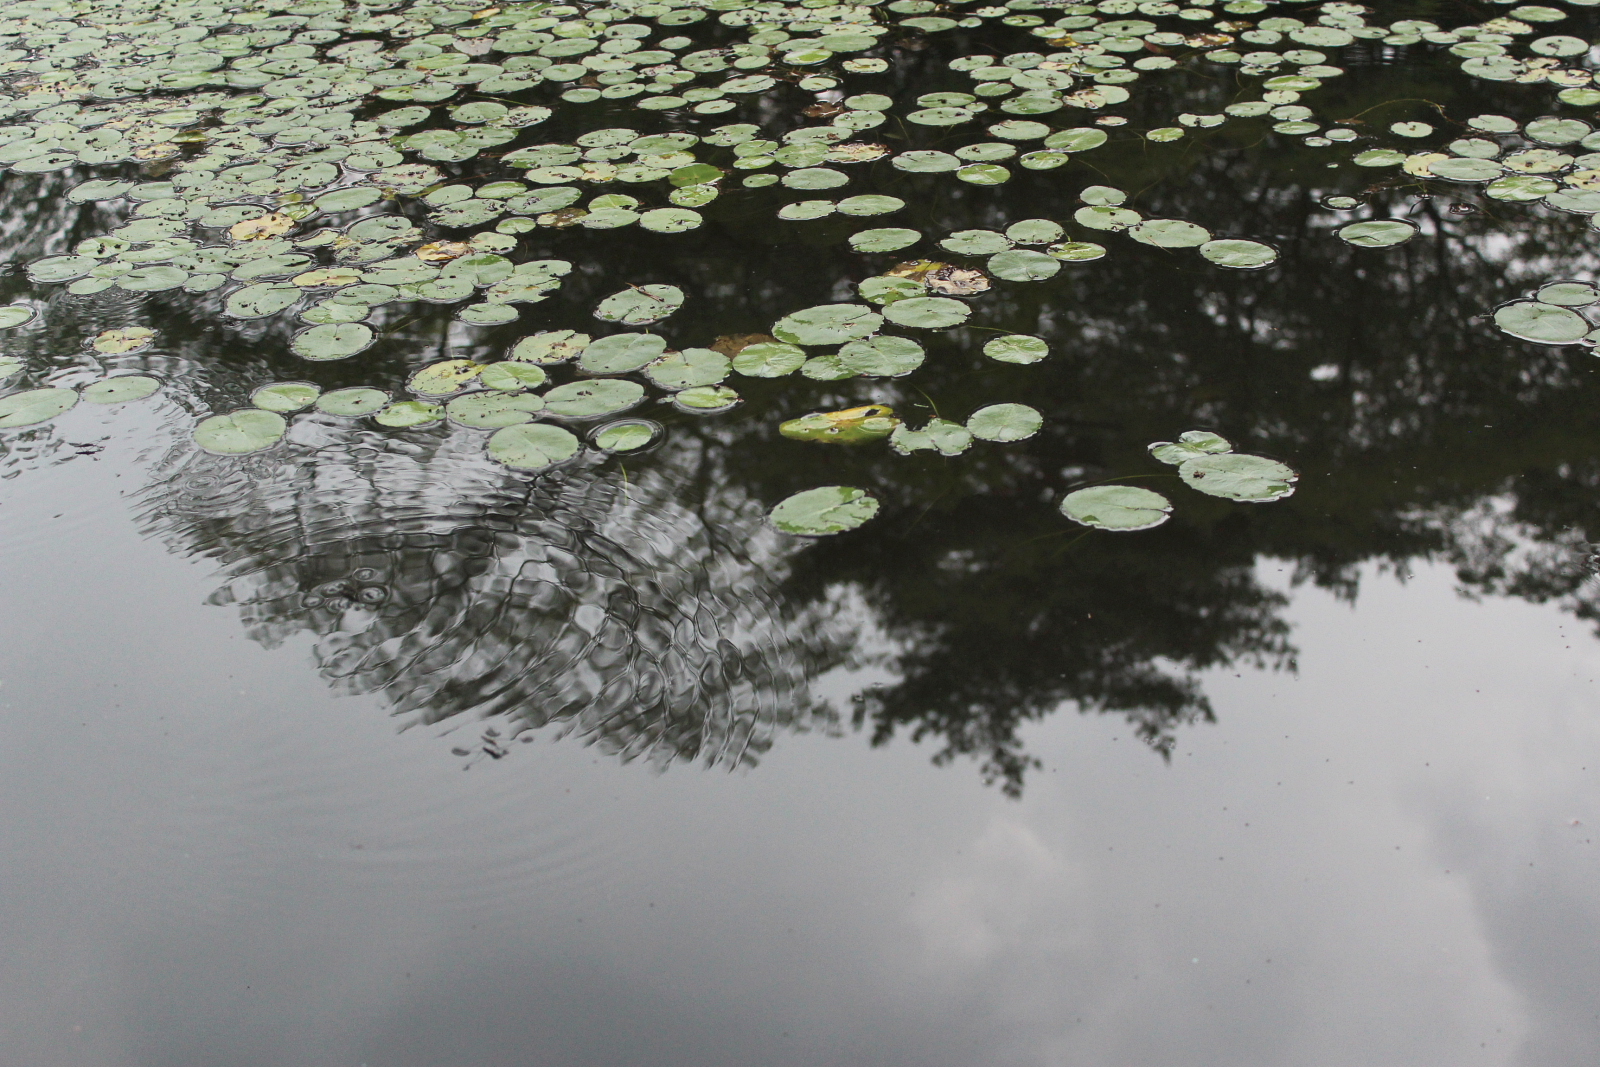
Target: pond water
<point>723,532</point>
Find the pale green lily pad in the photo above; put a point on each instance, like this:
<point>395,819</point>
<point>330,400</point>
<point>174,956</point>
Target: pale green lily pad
<point>404,414</point>
<point>626,435</point>
<point>622,353</point>
<point>240,432</point>
<point>152,279</point>
<point>670,220</point>
<point>1540,323</point>
<point>493,409</point>
<point>887,239</point>
<point>512,376</point>
<point>284,397</point>
<point>1568,294</point>
<point>828,324</point>
<point>1077,251</point>
<point>445,377</point>
<point>353,402</point>
<point>976,243</point>
<point>334,341</point>
<point>1119,508</point>
<point>1236,476</point>
<point>591,399</point>
<point>532,446</point>
<point>1192,444</point>
<point>939,435</point>
<point>769,359</point>
<point>34,406</point>
<point>926,162</point>
<point>1169,233</point>
<point>689,368</point>
<point>553,346</point>
<point>1035,232</point>
<point>881,357</point>
<point>259,301</point>
<point>1017,348</point>
<point>927,312</point>
<point>1005,422</point>
<point>14,315</point>
<point>810,178</point>
<point>121,389</point>
<point>640,305</point>
<point>1237,254</point>
<point>1377,233</point>
<point>704,399</point>
<point>830,509</point>
<point>1023,265</point>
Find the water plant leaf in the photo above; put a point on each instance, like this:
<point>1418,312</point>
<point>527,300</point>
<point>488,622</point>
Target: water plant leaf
<point>1169,233</point>
<point>1016,348</point>
<point>1190,445</point>
<point>1023,265</point>
<point>881,357</point>
<point>1568,294</point>
<point>852,426</point>
<point>14,315</point>
<point>34,406</point>
<point>827,324</point>
<point>770,359</point>
<point>552,346</point>
<point>1035,232</point>
<point>888,239</point>
<point>405,414</point>
<point>828,509</point>
<point>591,399</point>
<point>1119,508</point>
<point>939,435</point>
<point>1237,254</point>
<point>240,432</point>
<point>355,401</point>
<point>1237,476</point>
<point>493,409</point>
<point>1005,422</point>
<point>121,389</point>
<point>1377,233</point>
<point>927,312</point>
<point>445,377</point>
<point>1545,324</point>
<point>703,399</point>
<point>334,341</point>
<point>284,397</point>
<point>126,339</point>
<point>259,301</point>
<point>640,305</point>
<point>512,376</point>
<point>621,353</point>
<point>626,435</point>
<point>532,446</point>
<point>689,368</point>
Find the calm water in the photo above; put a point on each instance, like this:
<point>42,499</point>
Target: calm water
<point>366,750</point>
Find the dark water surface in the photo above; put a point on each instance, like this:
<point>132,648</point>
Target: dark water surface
<point>364,750</point>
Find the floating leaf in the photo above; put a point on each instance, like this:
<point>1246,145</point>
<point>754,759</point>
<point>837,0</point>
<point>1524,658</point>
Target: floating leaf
<point>336,341</point>
<point>1568,294</point>
<point>622,352</point>
<point>491,410</point>
<point>670,220</point>
<point>404,414</point>
<point>121,389</point>
<point>1016,348</point>
<point>881,357</point>
<point>689,368</point>
<point>1237,254</point>
<point>927,312</point>
<point>626,435</point>
<point>512,376</point>
<point>827,324</point>
<point>275,225</point>
<point>706,398</point>
<point>771,359</point>
<point>1023,265</point>
<point>1190,445</point>
<point>939,435</point>
<point>1005,422</point>
<point>830,509</point>
<point>127,339</point>
<point>552,346</point>
<point>240,432</point>
<point>14,315</point>
<point>975,242</point>
<point>259,301</point>
<point>852,426</point>
<point>1541,323</point>
<point>34,406</point>
<point>1169,233</point>
<point>640,305</point>
<point>1236,476</point>
<point>590,399</point>
<point>888,239</point>
<point>445,377</point>
<point>1035,232</point>
<point>1120,508</point>
<point>1378,233</point>
<point>353,402</point>
<point>533,446</point>
<point>284,397</point>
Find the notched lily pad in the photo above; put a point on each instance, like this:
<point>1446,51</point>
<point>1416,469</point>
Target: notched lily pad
<point>830,509</point>
<point>122,389</point>
<point>626,435</point>
<point>240,432</point>
<point>1545,324</point>
<point>1119,508</point>
<point>34,406</point>
<point>339,340</point>
<point>1005,422</point>
<point>1236,476</point>
<point>532,446</point>
<point>640,305</point>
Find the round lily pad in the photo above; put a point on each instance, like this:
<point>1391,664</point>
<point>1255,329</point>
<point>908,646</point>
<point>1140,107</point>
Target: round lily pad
<point>976,243</point>
<point>639,305</point>
<point>769,359</point>
<point>591,399</point>
<point>1035,232</point>
<point>1005,422</point>
<point>1236,476</point>
<point>284,397</point>
<point>1016,348</point>
<point>1120,508</point>
<point>622,352</point>
<point>1568,294</point>
<point>1377,233</point>
<point>121,389</point>
<point>1545,324</point>
<point>1023,265</point>
<point>126,339</point>
<point>689,368</point>
<point>240,432</point>
<point>888,239</point>
<point>827,324</point>
<point>334,341</point>
<point>1169,233</point>
<point>350,403</point>
<point>706,398</point>
<point>626,435</point>
<point>927,312</point>
<point>1237,254</point>
<point>512,376</point>
<point>34,406</point>
<point>403,414</point>
<point>14,315</point>
<point>881,357</point>
<point>532,446</point>
<point>493,409</point>
<point>445,377</point>
<point>830,509</point>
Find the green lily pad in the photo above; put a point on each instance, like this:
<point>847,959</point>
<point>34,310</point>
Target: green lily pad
<point>939,435</point>
<point>881,357</point>
<point>1236,476</point>
<point>1190,445</point>
<point>404,414</point>
<point>532,446</point>
<point>923,161</point>
<point>1005,422</point>
<point>830,509</point>
<point>809,178</point>
<point>512,376</point>
<point>706,398</point>
<point>1237,254</point>
<point>626,435</point>
<point>353,402</point>
<point>152,279</point>
<point>240,432</point>
<point>1540,323</point>
<point>869,204</point>
<point>445,377</point>
<point>14,315</point>
<point>689,368</point>
<point>976,243</point>
<point>828,324</point>
<point>553,346</point>
<point>34,406</point>
<point>1119,508</point>
<point>887,239</point>
<point>259,301</point>
<point>622,353</point>
<point>769,359</point>
<point>1377,233</point>
<point>670,220</point>
<point>1035,232</point>
<point>334,341</point>
<point>927,312</point>
<point>121,389</point>
<point>1568,294</point>
<point>640,305</point>
<point>494,409</point>
<point>284,397</point>
<point>1023,265</point>
<point>1016,348</point>
<point>1169,233</point>
<point>591,399</point>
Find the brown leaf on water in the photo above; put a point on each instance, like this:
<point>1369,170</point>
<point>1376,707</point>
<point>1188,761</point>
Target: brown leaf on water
<point>956,281</point>
<point>561,220</point>
<point>822,111</point>
<point>731,344</point>
<point>444,251</point>
<point>915,269</point>
<point>275,225</point>
<point>856,152</point>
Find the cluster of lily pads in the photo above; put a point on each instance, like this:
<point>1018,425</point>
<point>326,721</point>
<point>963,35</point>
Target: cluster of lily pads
<point>278,184</point>
<point>29,407</point>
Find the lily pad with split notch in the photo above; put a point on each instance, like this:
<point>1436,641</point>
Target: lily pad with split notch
<point>689,368</point>
<point>1545,324</point>
<point>927,312</point>
<point>339,340</point>
<point>352,402</point>
<point>14,315</point>
<point>828,324</point>
<point>640,305</point>
<point>769,359</point>
<point>122,389</point>
<point>532,446</point>
<point>493,409</point>
<point>1169,233</point>
<point>240,432</point>
<point>124,340</point>
<point>284,397</point>
<point>1118,508</point>
<point>445,377</point>
<point>706,399</point>
<point>1017,348</point>
<point>829,509</point>
<point>882,357</point>
<point>1005,422</point>
<point>887,239</point>
<point>1377,233</point>
<point>626,435</point>
<point>1238,476</point>
<point>1023,265</point>
<point>1238,254</point>
<point>594,398</point>
<point>405,414</point>
<point>621,353</point>
<point>512,376</point>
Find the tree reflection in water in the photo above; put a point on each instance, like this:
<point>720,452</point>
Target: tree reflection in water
<point>645,608</point>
